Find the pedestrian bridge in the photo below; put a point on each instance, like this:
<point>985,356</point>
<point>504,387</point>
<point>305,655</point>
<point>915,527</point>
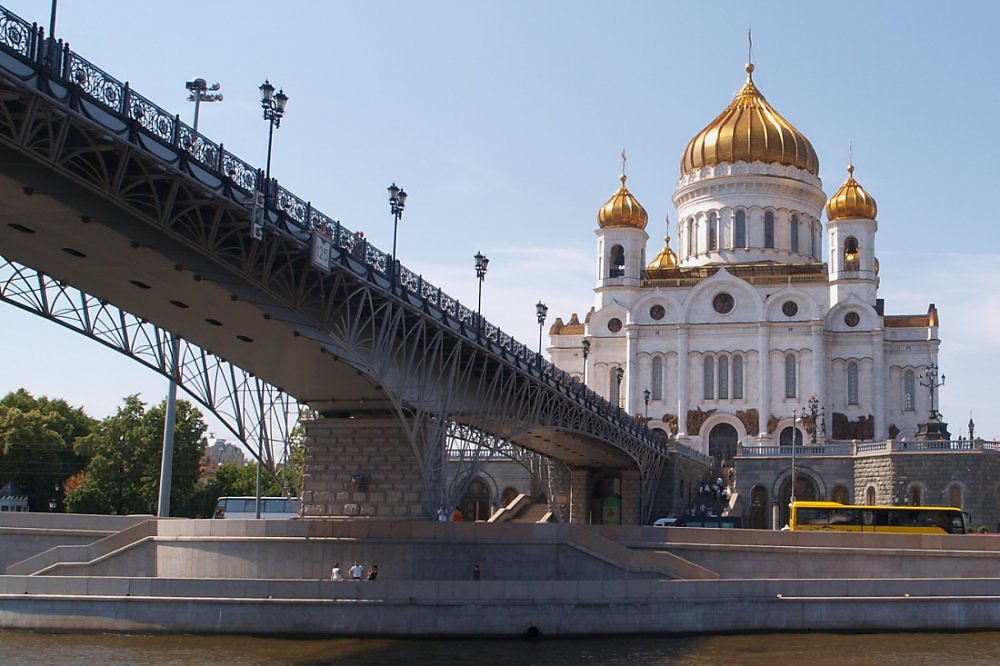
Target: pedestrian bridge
<point>126,225</point>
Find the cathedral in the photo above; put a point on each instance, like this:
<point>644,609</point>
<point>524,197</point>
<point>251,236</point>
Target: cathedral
<point>763,326</point>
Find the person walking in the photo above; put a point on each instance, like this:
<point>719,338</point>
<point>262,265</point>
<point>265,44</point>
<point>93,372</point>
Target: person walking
<point>335,575</point>
<point>357,571</point>
<point>373,572</point>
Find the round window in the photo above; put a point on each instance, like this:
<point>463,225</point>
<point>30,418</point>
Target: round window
<point>852,319</point>
<point>723,303</point>
<point>615,325</point>
<point>790,308</point>
<point>657,312</point>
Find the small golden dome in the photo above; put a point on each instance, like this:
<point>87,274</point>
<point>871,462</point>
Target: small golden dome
<point>851,201</point>
<point>622,210</point>
<point>749,130</point>
<point>665,259</point>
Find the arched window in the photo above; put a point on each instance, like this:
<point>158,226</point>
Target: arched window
<point>793,233</point>
<point>615,386</point>
<point>723,378</point>
<point>768,229</point>
<point>737,377</point>
<point>709,378</point>
<point>713,231</point>
<point>852,383</point>
<point>908,391</point>
<point>690,235</point>
<point>617,262</point>
<point>740,229</point>
<point>852,254</point>
<point>790,377</point>
<point>813,234</point>
<point>656,378</point>
<point>870,496</point>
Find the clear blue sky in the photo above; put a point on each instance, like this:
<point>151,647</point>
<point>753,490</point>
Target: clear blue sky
<point>504,122</point>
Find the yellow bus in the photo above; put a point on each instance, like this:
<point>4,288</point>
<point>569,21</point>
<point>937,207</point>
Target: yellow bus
<point>837,517</point>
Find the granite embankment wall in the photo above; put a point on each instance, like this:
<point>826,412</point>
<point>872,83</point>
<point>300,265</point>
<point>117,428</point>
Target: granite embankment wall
<point>269,577</point>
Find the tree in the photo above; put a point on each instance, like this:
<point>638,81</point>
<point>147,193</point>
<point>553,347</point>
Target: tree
<point>37,437</point>
<point>125,453</point>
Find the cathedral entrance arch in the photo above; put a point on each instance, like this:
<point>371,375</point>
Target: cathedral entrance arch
<point>805,491</point>
<point>785,438</point>
<point>722,441</point>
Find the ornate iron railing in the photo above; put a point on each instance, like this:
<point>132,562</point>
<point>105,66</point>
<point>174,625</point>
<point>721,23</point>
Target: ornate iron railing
<point>292,214</point>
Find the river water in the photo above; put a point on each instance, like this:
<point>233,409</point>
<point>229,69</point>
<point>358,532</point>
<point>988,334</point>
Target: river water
<point>914,649</point>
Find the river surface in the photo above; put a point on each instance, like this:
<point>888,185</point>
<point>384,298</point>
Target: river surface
<point>914,649</point>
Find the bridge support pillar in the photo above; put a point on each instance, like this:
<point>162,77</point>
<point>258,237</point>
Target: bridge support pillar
<point>361,468</point>
<point>579,498</point>
<point>631,494</point>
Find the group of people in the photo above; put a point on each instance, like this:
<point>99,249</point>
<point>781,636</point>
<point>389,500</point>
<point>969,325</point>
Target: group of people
<point>356,572</point>
<point>444,515</point>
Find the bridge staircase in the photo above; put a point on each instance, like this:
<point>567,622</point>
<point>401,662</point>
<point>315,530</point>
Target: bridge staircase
<point>522,509</point>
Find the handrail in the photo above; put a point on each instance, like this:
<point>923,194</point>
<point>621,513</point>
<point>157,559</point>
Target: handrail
<point>58,61</point>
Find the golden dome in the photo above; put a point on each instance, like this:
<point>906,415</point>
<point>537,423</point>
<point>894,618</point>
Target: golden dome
<point>622,210</point>
<point>749,130</point>
<point>851,201</point>
<point>665,259</point>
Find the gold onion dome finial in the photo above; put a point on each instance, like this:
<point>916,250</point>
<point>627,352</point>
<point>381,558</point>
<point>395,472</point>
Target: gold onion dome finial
<point>622,209</point>
<point>851,201</point>
<point>665,259</point>
<point>749,130</point>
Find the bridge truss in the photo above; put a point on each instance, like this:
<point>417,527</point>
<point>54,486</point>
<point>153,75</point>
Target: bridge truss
<point>437,364</point>
<point>256,413</point>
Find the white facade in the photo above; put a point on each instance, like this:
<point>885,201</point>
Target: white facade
<point>758,310</point>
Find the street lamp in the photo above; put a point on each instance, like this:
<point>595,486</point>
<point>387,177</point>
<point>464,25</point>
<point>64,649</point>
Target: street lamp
<point>929,380</point>
<point>540,311</point>
<point>795,430</point>
<point>586,352</point>
<point>200,92</point>
<point>397,202</point>
<point>813,411</point>
<point>274,110</point>
<point>481,263</point>
<point>645,400</point>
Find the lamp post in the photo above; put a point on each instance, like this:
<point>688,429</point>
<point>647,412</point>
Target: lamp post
<point>929,380</point>
<point>619,373</point>
<point>540,311</point>
<point>200,92</point>
<point>813,411</point>
<point>795,430</point>
<point>586,352</point>
<point>481,263</point>
<point>397,202</point>
<point>274,110</point>
<point>645,401</point>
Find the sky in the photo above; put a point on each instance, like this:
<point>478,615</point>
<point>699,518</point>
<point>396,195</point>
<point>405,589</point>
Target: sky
<point>504,122</point>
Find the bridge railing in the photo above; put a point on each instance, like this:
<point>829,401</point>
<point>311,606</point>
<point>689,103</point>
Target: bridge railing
<point>27,40</point>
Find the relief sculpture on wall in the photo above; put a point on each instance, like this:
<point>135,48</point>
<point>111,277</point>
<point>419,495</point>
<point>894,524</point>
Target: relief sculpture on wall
<point>697,417</point>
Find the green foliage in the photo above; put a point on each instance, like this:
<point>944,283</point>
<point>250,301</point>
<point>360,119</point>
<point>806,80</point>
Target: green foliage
<point>125,452</point>
<point>37,438</point>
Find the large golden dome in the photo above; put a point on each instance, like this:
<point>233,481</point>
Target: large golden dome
<point>749,130</point>
<point>622,210</point>
<point>851,201</point>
